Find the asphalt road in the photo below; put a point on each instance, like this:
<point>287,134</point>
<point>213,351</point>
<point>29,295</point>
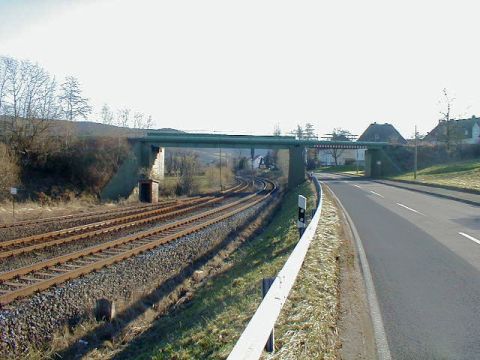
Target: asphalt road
<point>424,255</point>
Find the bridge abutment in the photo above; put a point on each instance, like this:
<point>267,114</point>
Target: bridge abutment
<point>144,161</point>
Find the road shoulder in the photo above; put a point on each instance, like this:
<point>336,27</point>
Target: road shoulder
<point>354,323</point>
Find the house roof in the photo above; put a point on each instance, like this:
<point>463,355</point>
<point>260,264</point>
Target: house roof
<point>382,133</point>
<point>462,126</point>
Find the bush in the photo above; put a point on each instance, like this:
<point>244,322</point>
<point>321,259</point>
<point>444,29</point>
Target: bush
<point>9,171</point>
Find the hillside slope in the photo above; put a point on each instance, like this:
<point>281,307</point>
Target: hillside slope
<point>463,175</point>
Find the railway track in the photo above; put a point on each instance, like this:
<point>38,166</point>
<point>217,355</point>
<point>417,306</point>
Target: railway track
<point>41,241</point>
<point>109,213</point>
<point>27,280</point>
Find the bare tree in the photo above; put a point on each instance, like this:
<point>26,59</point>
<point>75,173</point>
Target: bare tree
<point>451,133</point>
<point>149,122</point>
<point>338,134</point>
<point>123,117</point>
<point>3,81</point>
<point>106,115</point>
<point>74,106</point>
<point>29,103</point>
<point>276,130</point>
<point>138,120</point>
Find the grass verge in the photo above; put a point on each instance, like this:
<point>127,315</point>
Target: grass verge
<point>209,325</point>
<point>307,326</point>
<point>462,175</point>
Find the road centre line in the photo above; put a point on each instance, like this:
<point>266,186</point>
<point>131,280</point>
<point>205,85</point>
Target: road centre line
<point>408,208</point>
<point>375,193</point>
<point>470,237</point>
<point>357,186</point>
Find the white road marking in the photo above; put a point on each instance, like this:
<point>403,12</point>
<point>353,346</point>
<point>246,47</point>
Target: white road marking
<point>357,186</point>
<point>373,192</point>
<point>470,237</point>
<point>406,207</point>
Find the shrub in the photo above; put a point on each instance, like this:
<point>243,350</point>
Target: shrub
<point>9,171</point>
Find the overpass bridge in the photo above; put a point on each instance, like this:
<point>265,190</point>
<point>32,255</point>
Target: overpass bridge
<point>145,151</point>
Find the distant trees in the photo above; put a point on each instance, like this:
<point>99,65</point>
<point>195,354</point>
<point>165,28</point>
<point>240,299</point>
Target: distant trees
<point>304,133</point>
<point>307,133</point>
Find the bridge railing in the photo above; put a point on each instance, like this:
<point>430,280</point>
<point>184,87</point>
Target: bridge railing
<point>253,339</point>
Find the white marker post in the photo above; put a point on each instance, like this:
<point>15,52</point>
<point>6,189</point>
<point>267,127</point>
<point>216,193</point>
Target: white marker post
<point>302,211</point>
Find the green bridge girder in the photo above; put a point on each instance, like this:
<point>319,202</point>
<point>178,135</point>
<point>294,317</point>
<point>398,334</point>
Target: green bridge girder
<point>249,141</point>
<point>144,150</point>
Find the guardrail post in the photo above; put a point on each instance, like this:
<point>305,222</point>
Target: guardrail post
<point>270,345</point>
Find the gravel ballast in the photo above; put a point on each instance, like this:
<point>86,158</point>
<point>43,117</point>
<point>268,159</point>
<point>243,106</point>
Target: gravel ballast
<point>33,321</point>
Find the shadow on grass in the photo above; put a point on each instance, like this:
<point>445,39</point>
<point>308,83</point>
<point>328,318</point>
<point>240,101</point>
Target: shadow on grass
<point>109,330</point>
<point>179,333</point>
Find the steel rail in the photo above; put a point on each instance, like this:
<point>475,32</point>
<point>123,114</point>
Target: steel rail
<point>84,216</point>
<point>60,269</point>
<point>10,248</point>
<point>109,212</point>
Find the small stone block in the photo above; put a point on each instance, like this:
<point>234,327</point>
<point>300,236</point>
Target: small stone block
<point>104,310</point>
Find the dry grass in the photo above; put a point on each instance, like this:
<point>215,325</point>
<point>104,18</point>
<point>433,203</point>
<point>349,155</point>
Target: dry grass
<point>29,210</point>
<point>307,327</point>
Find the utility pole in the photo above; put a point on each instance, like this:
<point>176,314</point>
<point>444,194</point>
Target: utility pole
<point>221,185</point>
<point>415,156</point>
<point>252,153</point>
<point>357,160</point>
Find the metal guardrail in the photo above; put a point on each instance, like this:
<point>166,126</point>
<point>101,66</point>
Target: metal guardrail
<point>253,339</point>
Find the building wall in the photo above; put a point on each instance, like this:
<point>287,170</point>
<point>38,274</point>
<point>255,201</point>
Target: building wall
<point>326,158</point>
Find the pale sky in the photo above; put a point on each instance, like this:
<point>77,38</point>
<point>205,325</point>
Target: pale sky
<point>243,66</point>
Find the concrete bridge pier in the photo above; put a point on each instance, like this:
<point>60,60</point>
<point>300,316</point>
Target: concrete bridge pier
<point>144,161</point>
<point>296,166</point>
<point>378,164</point>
